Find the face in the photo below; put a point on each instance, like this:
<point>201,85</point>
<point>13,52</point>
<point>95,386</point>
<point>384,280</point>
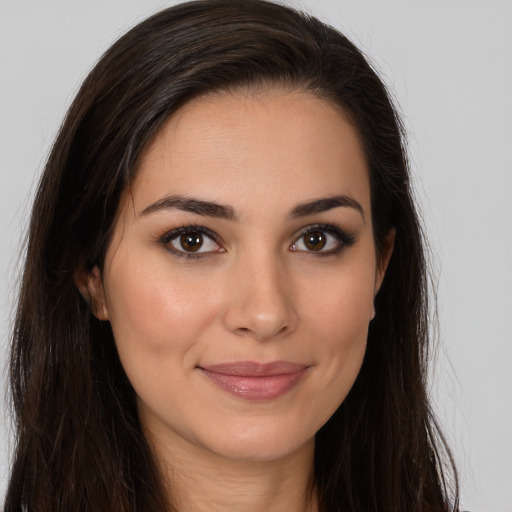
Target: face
<point>242,272</point>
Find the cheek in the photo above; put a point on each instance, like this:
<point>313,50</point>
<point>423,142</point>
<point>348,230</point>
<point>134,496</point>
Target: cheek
<point>342,306</point>
<point>156,316</point>
<point>339,318</point>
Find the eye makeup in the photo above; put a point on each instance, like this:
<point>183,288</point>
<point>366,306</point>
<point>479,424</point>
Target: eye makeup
<point>190,242</point>
<point>195,241</point>
<point>323,240</point>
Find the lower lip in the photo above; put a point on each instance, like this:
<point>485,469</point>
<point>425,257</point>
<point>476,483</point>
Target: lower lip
<point>266,387</point>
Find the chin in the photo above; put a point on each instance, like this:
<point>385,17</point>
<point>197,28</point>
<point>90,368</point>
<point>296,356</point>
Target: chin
<point>259,443</point>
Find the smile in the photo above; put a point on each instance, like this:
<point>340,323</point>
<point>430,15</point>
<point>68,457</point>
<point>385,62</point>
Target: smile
<point>256,381</point>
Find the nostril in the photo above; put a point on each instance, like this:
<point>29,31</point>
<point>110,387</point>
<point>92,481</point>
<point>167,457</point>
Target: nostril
<point>243,331</point>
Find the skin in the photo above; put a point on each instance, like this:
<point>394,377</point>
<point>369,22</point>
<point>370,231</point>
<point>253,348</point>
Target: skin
<point>257,293</point>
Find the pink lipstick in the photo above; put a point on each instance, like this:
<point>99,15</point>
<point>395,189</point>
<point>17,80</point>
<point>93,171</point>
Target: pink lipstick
<point>255,381</point>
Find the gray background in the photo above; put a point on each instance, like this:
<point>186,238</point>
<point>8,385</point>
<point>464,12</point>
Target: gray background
<point>450,65</point>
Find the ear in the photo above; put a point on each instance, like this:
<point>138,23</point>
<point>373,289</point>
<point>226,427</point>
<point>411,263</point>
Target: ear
<point>382,264</point>
<point>90,286</point>
<point>383,258</point>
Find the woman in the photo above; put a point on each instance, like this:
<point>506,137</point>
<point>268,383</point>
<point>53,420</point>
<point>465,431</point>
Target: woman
<point>224,300</point>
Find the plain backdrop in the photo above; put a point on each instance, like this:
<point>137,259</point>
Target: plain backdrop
<point>449,63</point>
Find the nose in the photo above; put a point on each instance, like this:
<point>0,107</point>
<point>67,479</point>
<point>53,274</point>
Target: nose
<point>260,302</point>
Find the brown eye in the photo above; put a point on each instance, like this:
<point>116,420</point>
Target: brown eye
<point>322,240</point>
<point>191,242</point>
<point>315,240</point>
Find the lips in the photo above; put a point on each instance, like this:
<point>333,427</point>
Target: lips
<point>256,381</point>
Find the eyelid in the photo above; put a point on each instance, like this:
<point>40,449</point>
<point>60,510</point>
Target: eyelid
<point>344,237</point>
<point>172,234</point>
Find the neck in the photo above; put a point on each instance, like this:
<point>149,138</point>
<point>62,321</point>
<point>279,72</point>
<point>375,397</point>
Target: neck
<point>199,480</point>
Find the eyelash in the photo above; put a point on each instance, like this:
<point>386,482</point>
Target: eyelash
<point>344,238</point>
<point>168,237</point>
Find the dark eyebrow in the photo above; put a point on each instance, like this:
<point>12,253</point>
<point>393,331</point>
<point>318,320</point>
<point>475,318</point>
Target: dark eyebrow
<point>193,205</point>
<point>325,204</point>
<point>211,209</point>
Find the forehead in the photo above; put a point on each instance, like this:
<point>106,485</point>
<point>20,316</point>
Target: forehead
<point>245,147</point>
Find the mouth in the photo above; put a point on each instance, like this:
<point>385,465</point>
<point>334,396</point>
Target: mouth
<point>255,381</point>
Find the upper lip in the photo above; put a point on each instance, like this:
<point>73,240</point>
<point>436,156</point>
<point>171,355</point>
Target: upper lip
<point>254,369</point>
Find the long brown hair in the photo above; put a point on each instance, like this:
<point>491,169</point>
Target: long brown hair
<point>79,444</point>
